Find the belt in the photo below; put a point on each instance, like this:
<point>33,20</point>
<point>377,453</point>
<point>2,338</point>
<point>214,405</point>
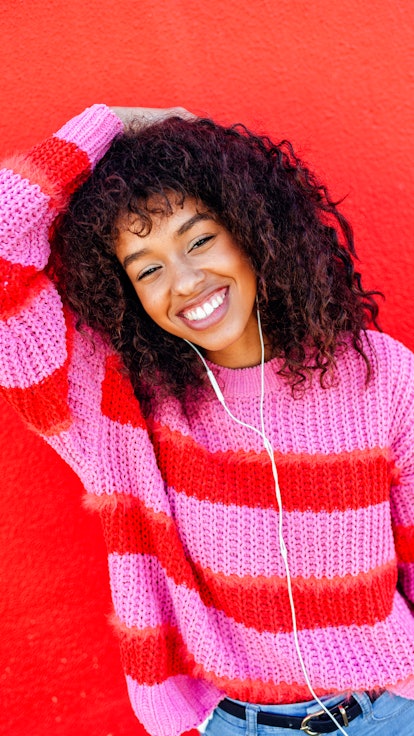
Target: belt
<point>312,724</point>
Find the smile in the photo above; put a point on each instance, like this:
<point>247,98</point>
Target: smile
<point>205,310</point>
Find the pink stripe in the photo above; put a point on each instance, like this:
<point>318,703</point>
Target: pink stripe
<point>125,465</point>
<point>128,465</point>
<point>404,689</point>
<point>23,206</point>
<point>85,375</point>
<point>92,131</point>
<point>232,650</point>
<point>151,604</point>
<point>282,436</point>
<point>33,343</point>
<point>358,428</point>
<point>175,705</point>
<point>341,537</point>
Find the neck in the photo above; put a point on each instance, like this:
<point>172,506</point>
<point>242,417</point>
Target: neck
<point>250,350</point>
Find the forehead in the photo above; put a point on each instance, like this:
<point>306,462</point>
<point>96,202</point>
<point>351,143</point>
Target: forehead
<point>161,215</point>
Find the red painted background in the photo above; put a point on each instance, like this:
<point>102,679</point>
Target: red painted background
<point>337,79</point>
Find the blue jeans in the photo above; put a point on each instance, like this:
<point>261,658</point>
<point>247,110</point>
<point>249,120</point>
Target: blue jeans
<point>389,715</point>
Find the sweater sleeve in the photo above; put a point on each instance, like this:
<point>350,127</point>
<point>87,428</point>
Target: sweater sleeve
<point>35,337</point>
<point>402,490</point>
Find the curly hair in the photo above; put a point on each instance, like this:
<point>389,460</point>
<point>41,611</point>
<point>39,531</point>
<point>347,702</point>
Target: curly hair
<point>301,248</point>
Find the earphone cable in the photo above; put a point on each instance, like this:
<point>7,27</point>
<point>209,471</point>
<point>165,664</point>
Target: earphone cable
<point>269,449</point>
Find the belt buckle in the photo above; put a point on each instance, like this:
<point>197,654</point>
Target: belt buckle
<point>306,728</point>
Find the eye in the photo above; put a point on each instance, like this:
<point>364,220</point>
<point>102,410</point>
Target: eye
<point>147,272</point>
<point>201,241</point>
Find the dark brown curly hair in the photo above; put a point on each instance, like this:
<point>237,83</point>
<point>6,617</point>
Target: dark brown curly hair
<point>301,247</point>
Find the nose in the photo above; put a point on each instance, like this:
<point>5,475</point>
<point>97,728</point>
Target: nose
<point>186,278</point>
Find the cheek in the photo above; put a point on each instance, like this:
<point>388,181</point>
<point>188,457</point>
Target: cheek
<point>240,265</point>
<point>248,278</point>
<point>153,306</point>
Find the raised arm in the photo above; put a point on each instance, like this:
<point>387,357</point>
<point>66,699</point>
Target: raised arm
<point>34,339</point>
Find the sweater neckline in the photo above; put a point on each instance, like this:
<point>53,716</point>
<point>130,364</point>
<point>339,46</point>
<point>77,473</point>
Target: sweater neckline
<point>247,381</point>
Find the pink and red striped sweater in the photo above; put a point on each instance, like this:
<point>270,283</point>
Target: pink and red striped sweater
<point>188,503</point>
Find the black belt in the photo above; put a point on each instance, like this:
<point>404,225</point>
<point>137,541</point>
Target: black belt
<point>312,724</point>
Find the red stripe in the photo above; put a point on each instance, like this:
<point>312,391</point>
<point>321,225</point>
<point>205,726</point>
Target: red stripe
<point>259,602</point>
<point>44,405</point>
<point>20,284</point>
<point>132,528</point>
<point>348,480</point>
<point>118,399</point>
<point>64,164</point>
<point>263,603</point>
<point>151,656</point>
<point>404,543</point>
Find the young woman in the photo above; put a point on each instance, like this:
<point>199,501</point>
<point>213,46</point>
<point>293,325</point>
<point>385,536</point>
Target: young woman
<point>197,349</point>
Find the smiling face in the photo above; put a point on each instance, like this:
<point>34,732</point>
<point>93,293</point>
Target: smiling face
<point>193,280</point>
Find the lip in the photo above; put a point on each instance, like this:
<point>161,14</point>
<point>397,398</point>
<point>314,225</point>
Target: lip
<point>213,318</point>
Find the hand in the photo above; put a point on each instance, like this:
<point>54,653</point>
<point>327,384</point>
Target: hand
<point>148,115</point>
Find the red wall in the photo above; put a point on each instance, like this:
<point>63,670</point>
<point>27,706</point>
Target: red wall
<point>335,78</point>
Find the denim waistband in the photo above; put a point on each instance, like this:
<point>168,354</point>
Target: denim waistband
<point>298,709</point>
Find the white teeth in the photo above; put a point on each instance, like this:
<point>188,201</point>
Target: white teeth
<point>207,308</point>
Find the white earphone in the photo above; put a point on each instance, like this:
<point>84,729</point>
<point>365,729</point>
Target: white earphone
<point>269,449</point>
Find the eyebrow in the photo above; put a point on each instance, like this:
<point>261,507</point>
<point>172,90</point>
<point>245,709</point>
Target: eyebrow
<point>134,257</point>
<point>187,225</point>
<point>193,220</point>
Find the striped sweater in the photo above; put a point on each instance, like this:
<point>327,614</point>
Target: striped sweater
<point>187,500</point>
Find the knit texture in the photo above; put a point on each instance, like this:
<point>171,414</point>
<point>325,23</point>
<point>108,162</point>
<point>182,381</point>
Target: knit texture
<point>187,499</point>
